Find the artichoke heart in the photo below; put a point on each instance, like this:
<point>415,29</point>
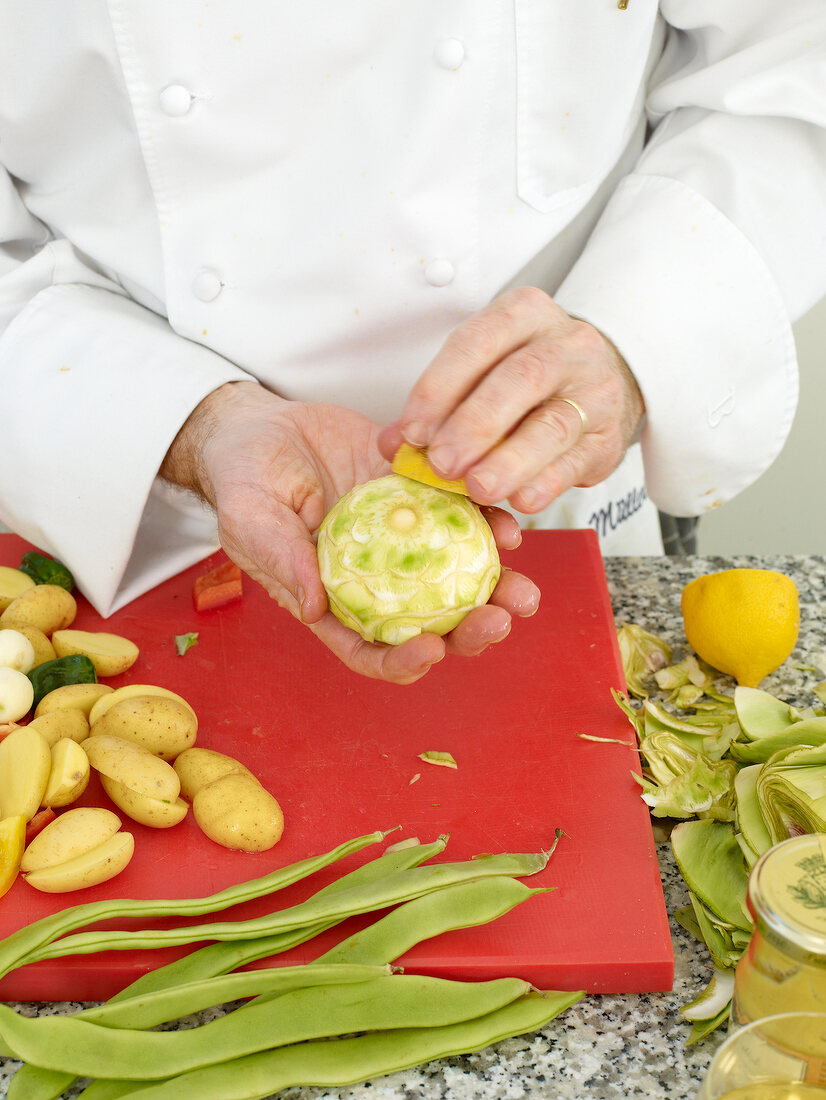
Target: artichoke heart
<point>398,558</point>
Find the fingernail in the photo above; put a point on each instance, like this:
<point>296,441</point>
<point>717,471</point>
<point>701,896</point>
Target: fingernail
<point>299,595</point>
<point>486,480</point>
<point>501,637</point>
<point>416,434</point>
<point>528,496</point>
<point>443,459</point>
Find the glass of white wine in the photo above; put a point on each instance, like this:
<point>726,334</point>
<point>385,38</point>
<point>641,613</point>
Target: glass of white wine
<point>779,1057</point>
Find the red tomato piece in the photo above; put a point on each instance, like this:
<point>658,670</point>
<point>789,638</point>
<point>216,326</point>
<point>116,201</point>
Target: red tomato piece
<point>220,586</point>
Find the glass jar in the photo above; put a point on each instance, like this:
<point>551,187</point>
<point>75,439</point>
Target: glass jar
<point>784,966</point>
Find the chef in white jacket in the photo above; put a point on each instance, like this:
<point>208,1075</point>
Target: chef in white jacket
<point>246,248</point>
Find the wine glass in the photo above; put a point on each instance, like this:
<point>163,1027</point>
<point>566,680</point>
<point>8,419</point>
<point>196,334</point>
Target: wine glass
<point>780,1057</point>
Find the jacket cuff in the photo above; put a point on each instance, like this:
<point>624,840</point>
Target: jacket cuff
<point>101,388</point>
<point>691,306</point>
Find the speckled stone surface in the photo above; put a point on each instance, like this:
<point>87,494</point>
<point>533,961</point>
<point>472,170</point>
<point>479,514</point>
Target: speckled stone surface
<point>608,1047</point>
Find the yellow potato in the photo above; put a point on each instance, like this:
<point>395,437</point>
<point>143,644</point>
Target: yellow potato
<point>133,766</point>
<point>69,776</point>
<point>127,692</point>
<point>199,767</point>
<point>109,653</point>
<point>147,811</point>
<point>87,869</point>
<point>58,724</point>
<point>72,696</point>
<point>25,763</point>
<point>70,834</point>
<point>163,725</point>
<point>43,648</point>
<point>13,583</point>
<point>47,607</point>
<point>236,812</point>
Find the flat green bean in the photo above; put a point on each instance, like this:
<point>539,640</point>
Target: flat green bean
<point>386,891</point>
<point>218,958</point>
<point>150,1009</point>
<point>22,947</point>
<point>339,1062</point>
<point>36,1083</point>
<point>460,905</point>
<point>399,1000</point>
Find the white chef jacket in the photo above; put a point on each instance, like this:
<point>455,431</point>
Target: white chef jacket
<point>313,195</point>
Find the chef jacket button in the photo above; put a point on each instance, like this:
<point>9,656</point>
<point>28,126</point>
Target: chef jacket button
<point>175,100</point>
<point>207,286</point>
<point>439,272</point>
<point>449,53</point>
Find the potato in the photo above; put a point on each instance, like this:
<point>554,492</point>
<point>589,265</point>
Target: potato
<point>87,869</point>
<point>143,809</point>
<point>13,583</point>
<point>236,812</point>
<point>47,607</point>
<point>56,725</point>
<point>81,847</point>
<point>109,653</point>
<point>43,648</point>
<point>163,725</point>
<point>72,696</point>
<point>25,763</point>
<point>198,768</point>
<point>69,775</point>
<point>70,834</point>
<point>133,766</point>
<point>127,692</point>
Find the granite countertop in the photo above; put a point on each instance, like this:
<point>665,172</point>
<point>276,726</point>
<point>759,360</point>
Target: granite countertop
<point>607,1047</point>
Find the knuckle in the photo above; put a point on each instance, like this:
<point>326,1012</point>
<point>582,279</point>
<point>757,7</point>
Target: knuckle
<point>475,339</point>
<point>529,368</point>
<point>480,418</point>
<point>530,299</point>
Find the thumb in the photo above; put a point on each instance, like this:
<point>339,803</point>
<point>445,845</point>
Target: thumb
<point>274,546</point>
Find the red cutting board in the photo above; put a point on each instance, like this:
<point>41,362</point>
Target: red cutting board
<point>340,752</point>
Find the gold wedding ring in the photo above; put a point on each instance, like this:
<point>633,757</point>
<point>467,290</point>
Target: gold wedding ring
<point>579,409</point>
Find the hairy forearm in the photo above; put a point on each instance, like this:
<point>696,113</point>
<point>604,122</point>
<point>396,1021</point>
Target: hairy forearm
<point>184,464</point>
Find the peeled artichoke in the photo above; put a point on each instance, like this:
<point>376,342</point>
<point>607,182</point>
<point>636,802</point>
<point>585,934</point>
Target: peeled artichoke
<point>399,558</point>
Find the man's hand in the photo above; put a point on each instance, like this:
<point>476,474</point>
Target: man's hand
<point>524,401</point>
<point>272,469</point>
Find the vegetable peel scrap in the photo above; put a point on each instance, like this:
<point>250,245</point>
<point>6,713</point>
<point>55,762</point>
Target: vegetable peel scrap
<point>440,759</point>
<point>183,642</point>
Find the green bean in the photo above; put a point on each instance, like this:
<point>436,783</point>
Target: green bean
<point>150,1009</point>
<point>386,891</point>
<point>27,943</point>
<point>107,1088</point>
<point>460,905</point>
<point>218,958</point>
<point>72,1045</point>
<point>36,1083</point>
<point>348,1061</point>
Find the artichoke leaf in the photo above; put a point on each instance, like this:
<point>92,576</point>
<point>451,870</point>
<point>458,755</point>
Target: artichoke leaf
<point>712,865</point>
<point>761,714</point>
<point>749,816</point>
<point>809,731</point>
<point>705,790</point>
<point>701,1028</point>
<point>642,654</point>
<point>714,998</point>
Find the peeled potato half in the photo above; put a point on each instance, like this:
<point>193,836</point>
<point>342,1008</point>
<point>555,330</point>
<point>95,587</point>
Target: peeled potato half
<point>109,653</point>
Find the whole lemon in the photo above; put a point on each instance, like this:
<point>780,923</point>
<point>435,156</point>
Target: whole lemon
<point>742,621</point>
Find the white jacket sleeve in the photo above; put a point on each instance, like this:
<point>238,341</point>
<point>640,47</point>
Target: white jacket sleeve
<point>716,242</point>
<point>94,388</point>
